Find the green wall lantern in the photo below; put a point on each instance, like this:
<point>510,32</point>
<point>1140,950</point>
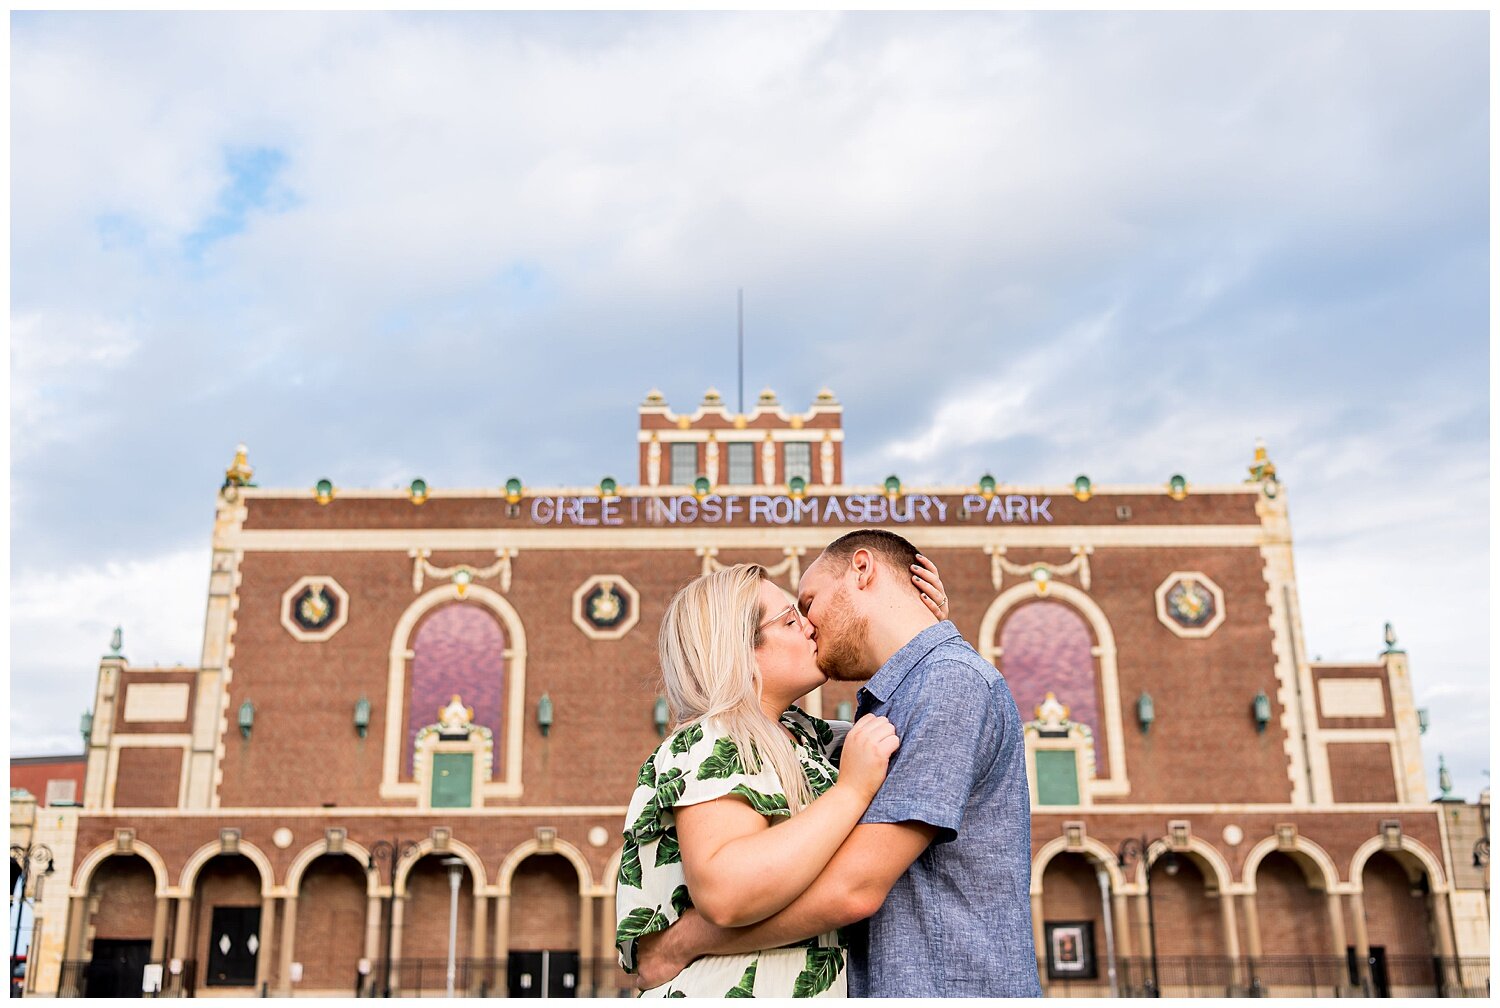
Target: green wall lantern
<point>797,486</point>
<point>1177,487</point>
<point>1083,488</point>
<point>512,490</point>
<point>892,485</point>
<point>247,718</point>
<point>419,491</point>
<point>1145,712</point>
<point>660,715</point>
<point>362,716</point>
<point>86,726</point>
<point>323,491</point>
<point>701,487</point>
<point>987,486</point>
<point>608,486</point>
<point>544,714</point>
<point>1261,706</point>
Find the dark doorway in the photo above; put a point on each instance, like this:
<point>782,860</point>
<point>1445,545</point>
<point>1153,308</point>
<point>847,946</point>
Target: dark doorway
<point>117,968</point>
<point>232,947</point>
<point>1379,981</point>
<point>549,974</point>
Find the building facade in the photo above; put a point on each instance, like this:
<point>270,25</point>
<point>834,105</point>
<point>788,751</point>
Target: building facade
<point>423,710</point>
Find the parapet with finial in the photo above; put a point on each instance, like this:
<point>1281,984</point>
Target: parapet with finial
<point>239,472</point>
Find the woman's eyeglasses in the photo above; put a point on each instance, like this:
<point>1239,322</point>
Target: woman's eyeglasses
<point>792,609</point>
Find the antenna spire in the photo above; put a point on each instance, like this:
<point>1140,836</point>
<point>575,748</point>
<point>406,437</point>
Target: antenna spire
<point>741,305</point>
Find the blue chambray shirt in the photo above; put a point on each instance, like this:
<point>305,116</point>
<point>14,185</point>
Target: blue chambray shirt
<point>958,922</point>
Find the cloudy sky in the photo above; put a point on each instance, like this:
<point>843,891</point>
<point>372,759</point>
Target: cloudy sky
<point>463,247</point>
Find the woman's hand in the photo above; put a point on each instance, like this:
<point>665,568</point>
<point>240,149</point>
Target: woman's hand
<point>867,755</point>
<point>924,574</point>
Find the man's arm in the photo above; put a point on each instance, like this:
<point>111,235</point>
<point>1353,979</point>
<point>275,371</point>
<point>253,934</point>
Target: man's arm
<point>850,889</point>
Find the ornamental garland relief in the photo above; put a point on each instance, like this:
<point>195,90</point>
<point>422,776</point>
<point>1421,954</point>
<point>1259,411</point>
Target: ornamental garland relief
<point>1190,604</point>
<point>606,607</point>
<point>314,608</point>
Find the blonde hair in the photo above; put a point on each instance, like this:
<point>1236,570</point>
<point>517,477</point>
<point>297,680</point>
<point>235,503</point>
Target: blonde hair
<point>708,640</point>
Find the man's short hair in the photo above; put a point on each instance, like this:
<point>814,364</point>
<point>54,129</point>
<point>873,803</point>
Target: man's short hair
<point>891,549</point>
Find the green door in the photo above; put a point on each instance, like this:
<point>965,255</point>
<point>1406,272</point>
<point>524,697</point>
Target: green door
<point>452,780</point>
<point>1056,777</point>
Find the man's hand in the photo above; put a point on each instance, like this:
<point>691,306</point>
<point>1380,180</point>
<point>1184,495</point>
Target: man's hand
<point>660,956</point>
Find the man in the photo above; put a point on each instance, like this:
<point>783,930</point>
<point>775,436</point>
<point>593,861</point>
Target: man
<point>941,861</point>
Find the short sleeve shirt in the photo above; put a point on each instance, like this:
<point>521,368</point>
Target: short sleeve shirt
<point>957,923</point>
<point>699,763</point>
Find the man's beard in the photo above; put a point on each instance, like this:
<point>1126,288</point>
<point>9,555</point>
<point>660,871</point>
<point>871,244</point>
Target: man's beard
<point>840,636</point>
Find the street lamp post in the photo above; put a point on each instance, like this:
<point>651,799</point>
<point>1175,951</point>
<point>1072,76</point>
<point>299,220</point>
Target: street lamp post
<point>1139,850</point>
<point>391,851</point>
<point>455,868</point>
<point>26,857</point>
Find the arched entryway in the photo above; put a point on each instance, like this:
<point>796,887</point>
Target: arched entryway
<point>1074,950</point>
<point>121,923</point>
<point>1399,923</point>
<point>1195,954</point>
<point>427,916</point>
<point>543,951</point>
<point>229,931</point>
<point>330,927</point>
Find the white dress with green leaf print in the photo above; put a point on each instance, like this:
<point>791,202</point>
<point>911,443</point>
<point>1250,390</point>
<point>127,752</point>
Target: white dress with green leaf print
<point>695,764</point>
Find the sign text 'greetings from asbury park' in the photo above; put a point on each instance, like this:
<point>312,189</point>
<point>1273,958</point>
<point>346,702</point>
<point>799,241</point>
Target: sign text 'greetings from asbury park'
<point>768,509</point>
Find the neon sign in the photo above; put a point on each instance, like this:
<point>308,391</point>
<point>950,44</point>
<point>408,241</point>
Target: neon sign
<point>768,509</point>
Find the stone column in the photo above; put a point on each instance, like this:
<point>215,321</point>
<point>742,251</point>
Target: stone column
<point>77,920</point>
<point>1438,905</point>
<point>607,925</point>
<point>1340,940</point>
<point>288,942</point>
<point>479,974</point>
<point>1252,935</point>
<point>182,934</point>
<point>1231,939</point>
<point>267,938</point>
<point>1361,943</point>
<point>1037,932</point>
<point>1123,943</point>
<point>159,929</point>
<point>373,951</point>
<point>398,911</point>
<point>502,929</point>
<point>585,977</point>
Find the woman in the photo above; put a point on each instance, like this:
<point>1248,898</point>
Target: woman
<point>734,657</point>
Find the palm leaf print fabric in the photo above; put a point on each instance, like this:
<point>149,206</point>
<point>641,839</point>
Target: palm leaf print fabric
<point>695,764</point>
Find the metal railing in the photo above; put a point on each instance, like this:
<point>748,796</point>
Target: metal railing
<point>428,977</point>
<point>87,978</point>
<point>1280,976</point>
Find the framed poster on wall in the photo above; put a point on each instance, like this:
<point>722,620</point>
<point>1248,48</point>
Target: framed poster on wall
<point>1070,951</point>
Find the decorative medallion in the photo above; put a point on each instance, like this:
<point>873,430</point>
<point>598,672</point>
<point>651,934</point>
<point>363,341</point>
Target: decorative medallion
<point>605,607</point>
<point>315,608</point>
<point>1189,604</point>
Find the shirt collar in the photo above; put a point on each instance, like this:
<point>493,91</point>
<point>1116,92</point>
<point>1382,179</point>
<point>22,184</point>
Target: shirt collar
<point>894,671</point>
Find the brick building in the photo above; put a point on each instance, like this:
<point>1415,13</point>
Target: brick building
<point>406,694</point>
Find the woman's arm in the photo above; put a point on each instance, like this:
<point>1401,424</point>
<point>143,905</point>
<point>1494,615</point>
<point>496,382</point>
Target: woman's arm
<point>740,869</point>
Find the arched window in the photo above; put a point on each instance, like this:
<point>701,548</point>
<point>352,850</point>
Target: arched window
<point>458,649</point>
<point>1046,647</point>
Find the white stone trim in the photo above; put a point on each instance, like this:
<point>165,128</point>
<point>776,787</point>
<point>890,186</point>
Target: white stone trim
<point>315,850</point>
<point>509,785</point>
<point>188,879</point>
<point>1345,697</point>
<point>83,874</point>
<point>1050,490</point>
<point>526,849</point>
<point>1436,878</point>
<point>689,537</point>
<point>1307,766</point>
<point>1099,854</point>
<point>1304,847</point>
<point>741,435</point>
<point>456,848</point>
<point>143,741</point>
<point>1165,617</point>
<point>1218,879</point>
<point>1117,784</point>
<point>619,630</point>
<point>290,624</point>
